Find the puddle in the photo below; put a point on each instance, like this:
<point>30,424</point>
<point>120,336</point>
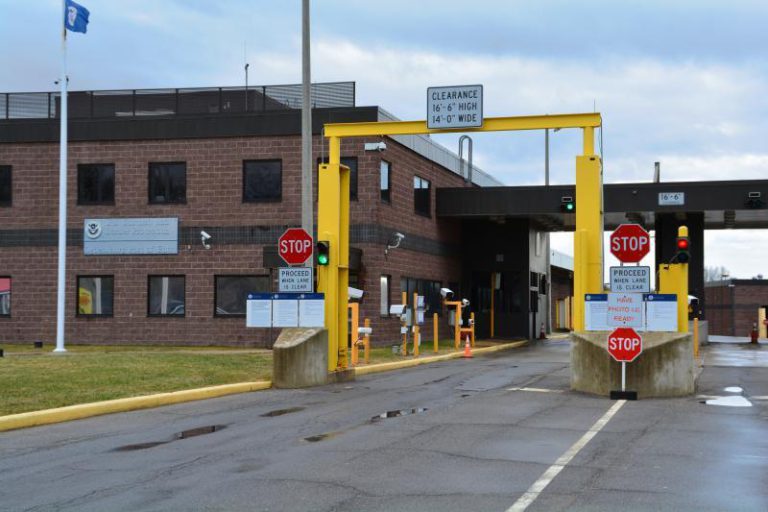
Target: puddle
<point>280,412</point>
<point>398,413</point>
<point>199,431</point>
<point>321,437</point>
<point>138,446</point>
<point>729,401</point>
<point>733,389</point>
<point>186,434</point>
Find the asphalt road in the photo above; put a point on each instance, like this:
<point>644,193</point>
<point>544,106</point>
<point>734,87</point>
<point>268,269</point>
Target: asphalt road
<point>480,444</point>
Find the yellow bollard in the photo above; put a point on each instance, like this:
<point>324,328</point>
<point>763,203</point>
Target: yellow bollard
<point>354,308</point>
<point>416,340</point>
<point>415,323</point>
<point>434,330</point>
<point>404,351</point>
<point>472,327</point>
<point>695,337</point>
<point>367,342</point>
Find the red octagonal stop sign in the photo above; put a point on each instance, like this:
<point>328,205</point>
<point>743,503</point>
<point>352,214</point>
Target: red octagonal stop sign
<point>630,243</point>
<point>624,344</point>
<point>295,246</point>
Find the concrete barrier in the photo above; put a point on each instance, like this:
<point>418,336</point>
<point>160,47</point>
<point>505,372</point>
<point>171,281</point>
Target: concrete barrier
<point>300,358</point>
<point>664,369</point>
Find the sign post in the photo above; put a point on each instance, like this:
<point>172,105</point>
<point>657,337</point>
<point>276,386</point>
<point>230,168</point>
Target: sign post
<point>624,345</point>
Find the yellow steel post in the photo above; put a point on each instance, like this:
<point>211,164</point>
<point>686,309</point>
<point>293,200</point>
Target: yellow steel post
<point>415,323</point>
<point>695,337</point>
<point>457,325</point>
<point>354,309</point>
<point>434,331</point>
<point>405,324</point>
<point>673,279</point>
<point>343,267</point>
<point>472,328</point>
<point>367,342</point>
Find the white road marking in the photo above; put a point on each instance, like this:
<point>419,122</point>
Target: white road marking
<point>536,390</point>
<point>533,492</point>
<point>763,397</point>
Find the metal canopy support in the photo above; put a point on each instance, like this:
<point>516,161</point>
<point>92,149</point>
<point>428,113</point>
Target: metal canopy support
<point>333,211</point>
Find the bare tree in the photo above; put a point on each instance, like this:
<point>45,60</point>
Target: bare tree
<point>715,274</point>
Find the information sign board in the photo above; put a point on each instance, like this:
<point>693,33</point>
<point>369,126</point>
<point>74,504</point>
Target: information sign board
<point>295,279</point>
<point>596,312</point>
<point>311,310</point>
<point>152,235</point>
<point>457,106</point>
<point>625,309</point>
<point>285,310</point>
<point>258,310</point>
<point>671,198</point>
<point>661,311</point>
<point>630,279</point>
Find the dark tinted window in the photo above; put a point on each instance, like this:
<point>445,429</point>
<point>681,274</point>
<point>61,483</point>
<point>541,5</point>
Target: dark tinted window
<point>96,184</point>
<point>5,296</point>
<point>430,290</point>
<point>167,183</point>
<point>95,295</point>
<point>351,162</point>
<point>262,180</point>
<point>421,196</point>
<point>384,181</point>
<point>5,185</point>
<point>166,296</point>
<point>232,292</point>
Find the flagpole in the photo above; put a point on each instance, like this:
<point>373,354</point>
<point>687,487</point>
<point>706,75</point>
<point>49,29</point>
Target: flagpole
<point>62,280</point>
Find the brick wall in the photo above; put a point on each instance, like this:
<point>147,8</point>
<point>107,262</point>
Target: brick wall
<point>731,310</point>
<point>214,199</point>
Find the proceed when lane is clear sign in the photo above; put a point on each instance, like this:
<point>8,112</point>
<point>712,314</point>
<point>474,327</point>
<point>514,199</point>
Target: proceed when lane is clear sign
<point>456,106</point>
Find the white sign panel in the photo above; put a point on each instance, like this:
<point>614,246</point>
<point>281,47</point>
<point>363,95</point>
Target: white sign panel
<point>671,198</point>
<point>312,310</point>
<point>285,310</point>
<point>625,310</point>
<point>661,312</point>
<point>630,279</point>
<point>459,106</point>
<point>258,310</point>
<point>596,312</point>
<point>295,279</point>
<point>131,236</point>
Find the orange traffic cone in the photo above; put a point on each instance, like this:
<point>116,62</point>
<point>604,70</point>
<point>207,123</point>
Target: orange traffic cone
<point>467,349</point>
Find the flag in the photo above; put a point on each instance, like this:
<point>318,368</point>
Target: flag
<point>75,17</point>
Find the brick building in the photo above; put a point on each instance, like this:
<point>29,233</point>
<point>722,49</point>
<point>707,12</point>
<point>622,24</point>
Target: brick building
<point>733,305</point>
<point>223,161</point>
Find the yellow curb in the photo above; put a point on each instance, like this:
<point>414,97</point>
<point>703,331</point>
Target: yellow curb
<point>408,363</point>
<point>76,412</point>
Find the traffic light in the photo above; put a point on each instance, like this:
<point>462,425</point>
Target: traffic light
<point>567,204</point>
<point>683,245</point>
<point>323,252</point>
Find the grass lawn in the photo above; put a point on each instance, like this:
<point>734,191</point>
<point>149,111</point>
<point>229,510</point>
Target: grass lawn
<point>35,379</point>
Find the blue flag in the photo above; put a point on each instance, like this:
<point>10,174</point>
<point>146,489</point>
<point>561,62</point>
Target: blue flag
<point>75,17</point>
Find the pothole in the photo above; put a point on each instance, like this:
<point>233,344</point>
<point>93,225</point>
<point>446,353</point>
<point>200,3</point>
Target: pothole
<point>398,413</point>
<point>321,437</point>
<point>280,412</point>
<point>185,434</point>
<point>139,446</point>
<point>199,431</point>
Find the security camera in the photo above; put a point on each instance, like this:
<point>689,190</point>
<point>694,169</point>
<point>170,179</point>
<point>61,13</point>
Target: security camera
<point>375,146</point>
<point>446,293</point>
<point>355,293</point>
<point>464,303</point>
<point>394,242</point>
<point>204,238</point>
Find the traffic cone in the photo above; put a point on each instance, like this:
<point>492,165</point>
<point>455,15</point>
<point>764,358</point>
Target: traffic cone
<point>467,349</point>
<point>542,333</point>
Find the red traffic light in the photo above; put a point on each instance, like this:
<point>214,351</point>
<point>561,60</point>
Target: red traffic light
<point>682,244</point>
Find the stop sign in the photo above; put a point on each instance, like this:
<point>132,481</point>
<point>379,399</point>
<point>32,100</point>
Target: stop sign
<point>630,243</point>
<point>295,246</point>
<point>624,344</point>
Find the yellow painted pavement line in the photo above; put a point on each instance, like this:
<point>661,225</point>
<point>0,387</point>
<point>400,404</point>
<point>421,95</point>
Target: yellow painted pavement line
<point>408,363</point>
<point>80,411</point>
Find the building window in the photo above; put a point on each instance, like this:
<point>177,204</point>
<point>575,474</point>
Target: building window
<point>430,290</point>
<point>384,290</point>
<point>351,162</point>
<point>232,293</point>
<point>166,296</point>
<point>421,196</point>
<point>167,183</point>
<point>5,296</point>
<point>95,295</point>
<point>96,184</point>
<point>5,185</point>
<point>262,181</point>
<point>384,181</point>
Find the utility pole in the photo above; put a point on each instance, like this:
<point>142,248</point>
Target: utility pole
<point>546,157</point>
<point>306,127</point>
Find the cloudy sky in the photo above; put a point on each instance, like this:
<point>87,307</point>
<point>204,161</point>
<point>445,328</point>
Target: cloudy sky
<point>680,82</point>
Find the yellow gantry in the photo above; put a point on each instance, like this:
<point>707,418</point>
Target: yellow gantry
<point>333,211</point>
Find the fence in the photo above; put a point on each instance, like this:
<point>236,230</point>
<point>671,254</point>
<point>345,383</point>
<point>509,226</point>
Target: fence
<point>172,102</point>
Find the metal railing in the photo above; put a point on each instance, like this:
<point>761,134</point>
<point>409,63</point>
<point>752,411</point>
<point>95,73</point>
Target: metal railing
<point>173,102</point>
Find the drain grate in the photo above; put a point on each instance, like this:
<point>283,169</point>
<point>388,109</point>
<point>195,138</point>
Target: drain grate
<point>280,412</point>
<point>398,413</point>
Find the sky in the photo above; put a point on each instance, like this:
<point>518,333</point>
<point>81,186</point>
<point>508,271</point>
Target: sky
<point>681,82</point>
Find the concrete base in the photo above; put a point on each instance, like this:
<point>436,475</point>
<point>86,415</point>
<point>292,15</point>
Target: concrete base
<point>664,369</point>
<point>300,358</point>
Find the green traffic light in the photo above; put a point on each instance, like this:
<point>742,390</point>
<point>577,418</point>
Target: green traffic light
<point>323,249</point>
<point>569,207</point>
<point>322,259</point>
